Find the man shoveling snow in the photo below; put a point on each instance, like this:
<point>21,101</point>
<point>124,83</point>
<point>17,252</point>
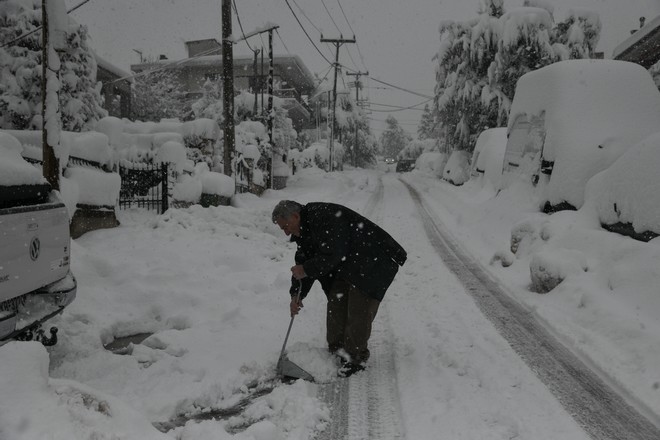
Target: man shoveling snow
<point>355,261</point>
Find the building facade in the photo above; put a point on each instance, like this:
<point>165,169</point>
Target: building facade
<point>293,83</point>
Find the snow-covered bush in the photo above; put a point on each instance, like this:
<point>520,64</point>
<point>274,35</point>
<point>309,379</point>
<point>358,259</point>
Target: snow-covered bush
<point>549,267</point>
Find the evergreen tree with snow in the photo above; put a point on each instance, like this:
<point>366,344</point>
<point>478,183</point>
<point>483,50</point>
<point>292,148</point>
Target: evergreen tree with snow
<point>80,94</point>
<point>20,77</point>
<point>394,138</point>
<point>156,96</point>
<point>479,62</point>
<point>426,127</point>
<point>209,105</point>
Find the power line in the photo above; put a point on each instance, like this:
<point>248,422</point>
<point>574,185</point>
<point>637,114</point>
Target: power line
<point>347,22</point>
<point>351,28</point>
<point>283,43</point>
<point>163,67</point>
<point>238,17</point>
<point>304,15</point>
<point>400,107</point>
<point>305,31</point>
<point>330,15</point>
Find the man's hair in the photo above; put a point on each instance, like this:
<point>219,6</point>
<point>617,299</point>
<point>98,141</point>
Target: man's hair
<point>285,209</point>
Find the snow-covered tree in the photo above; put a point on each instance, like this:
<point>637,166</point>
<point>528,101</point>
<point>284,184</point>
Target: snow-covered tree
<point>479,62</point>
<point>210,104</point>
<point>427,126</point>
<point>579,32</point>
<point>156,96</point>
<point>20,72</point>
<point>394,138</point>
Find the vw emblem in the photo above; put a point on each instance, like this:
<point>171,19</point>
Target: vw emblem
<point>35,248</point>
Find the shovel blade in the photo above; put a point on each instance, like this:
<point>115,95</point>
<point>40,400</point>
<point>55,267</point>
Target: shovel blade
<point>287,368</point>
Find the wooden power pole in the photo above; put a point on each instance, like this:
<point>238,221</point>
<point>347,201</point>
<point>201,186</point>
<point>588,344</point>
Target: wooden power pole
<point>53,38</point>
<point>337,42</point>
<point>358,86</point>
<point>228,86</point>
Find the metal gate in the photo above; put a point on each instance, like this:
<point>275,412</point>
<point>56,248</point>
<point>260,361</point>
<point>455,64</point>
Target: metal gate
<point>144,185</point>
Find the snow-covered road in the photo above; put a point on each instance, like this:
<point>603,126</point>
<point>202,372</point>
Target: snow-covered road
<point>211,286</point>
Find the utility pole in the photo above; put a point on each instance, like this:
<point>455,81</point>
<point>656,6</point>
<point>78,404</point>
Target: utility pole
<point>228,86</point>
<point>53,38</point>
<point>358,86</point>
<point>271,72</point>
<point>257,81</point>
<point>337,42</point>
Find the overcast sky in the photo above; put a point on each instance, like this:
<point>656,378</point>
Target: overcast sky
<point>396,39</point>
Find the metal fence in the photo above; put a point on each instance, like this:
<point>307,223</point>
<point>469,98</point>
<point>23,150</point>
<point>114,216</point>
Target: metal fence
<point>144,185</point>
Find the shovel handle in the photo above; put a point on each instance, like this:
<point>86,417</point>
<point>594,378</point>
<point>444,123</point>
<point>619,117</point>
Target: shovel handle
<point>286,338</point>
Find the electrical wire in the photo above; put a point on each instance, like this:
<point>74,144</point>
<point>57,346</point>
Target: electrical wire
<point>305,31</point>
<point>351,28</point>
<point>283,43</point>
<point>398,108</point>
<point>37,29</point>
<point>330,15</point>
<point>238,18</point>
<point>163,67</point>
<point>402,108</point>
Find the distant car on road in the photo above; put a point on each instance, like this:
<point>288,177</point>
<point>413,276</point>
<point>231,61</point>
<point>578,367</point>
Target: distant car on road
<point>389,160</point>
<point>404,165</point>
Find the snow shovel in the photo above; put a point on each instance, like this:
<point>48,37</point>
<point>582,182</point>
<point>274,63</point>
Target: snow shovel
<point>285,367</point>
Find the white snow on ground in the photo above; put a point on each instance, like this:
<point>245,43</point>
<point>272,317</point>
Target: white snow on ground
<point>212,286</point>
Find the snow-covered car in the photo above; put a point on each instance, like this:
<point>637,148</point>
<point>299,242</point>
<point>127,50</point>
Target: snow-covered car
<point>572,119</point>
<point>625,196</point>
<point>488,156</point>
<point>404,165</point>
<point>36,282</point>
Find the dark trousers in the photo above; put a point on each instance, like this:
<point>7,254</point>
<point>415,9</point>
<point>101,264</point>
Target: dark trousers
<point>349,317</point>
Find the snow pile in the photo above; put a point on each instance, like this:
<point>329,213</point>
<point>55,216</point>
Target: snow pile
<point>172,152</point>
<point>92,146</point>
<point>629,190</point>
<point>95,187</point>
<point>58,409</point>
<point>432,163</point>
<point>456,170</point>
<point>14,170</point>
<point>488,157</point>
<point>280,168</point>
<point>187,189</point>
<point>593,110</point>
<point>218,184</point>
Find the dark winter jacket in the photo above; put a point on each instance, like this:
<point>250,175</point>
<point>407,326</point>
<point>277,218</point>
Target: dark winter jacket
<point>336,241</point>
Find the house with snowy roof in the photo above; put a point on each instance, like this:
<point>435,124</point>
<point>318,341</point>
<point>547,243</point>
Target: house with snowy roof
<point>116,88</point>
<point>293,83</point>
<point>643,45</point>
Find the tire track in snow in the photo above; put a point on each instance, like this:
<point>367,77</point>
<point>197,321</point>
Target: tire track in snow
<point>366,406</point>
<point>602,413</point>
